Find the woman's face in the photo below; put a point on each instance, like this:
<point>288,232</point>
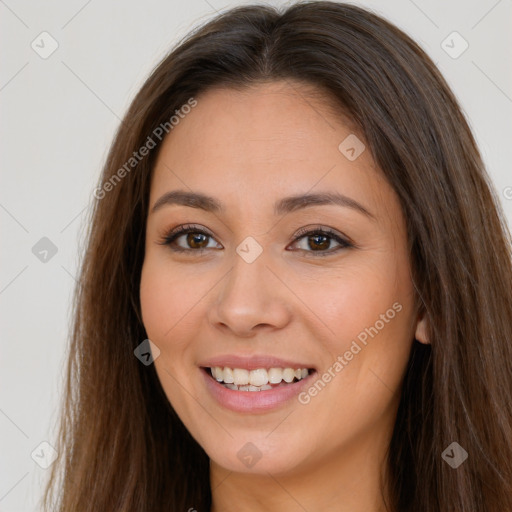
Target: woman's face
<point>249,291</point>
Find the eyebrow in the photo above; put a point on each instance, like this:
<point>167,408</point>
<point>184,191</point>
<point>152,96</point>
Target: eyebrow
<point>281,207</point>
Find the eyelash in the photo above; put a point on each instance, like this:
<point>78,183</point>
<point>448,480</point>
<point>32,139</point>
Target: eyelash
<point>171,237</point>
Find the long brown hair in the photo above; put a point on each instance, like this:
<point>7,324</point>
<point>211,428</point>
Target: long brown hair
<point>122,447</point>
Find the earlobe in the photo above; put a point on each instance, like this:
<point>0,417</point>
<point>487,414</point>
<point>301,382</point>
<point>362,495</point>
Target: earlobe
<point>421,330</point>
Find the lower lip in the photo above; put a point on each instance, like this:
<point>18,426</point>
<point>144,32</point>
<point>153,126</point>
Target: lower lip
<point>254,401</point>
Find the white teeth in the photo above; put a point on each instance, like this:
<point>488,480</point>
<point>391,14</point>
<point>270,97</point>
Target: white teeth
<point>228,376</point>
<point>275,375</point>
<point>240,376</point>
<point>240,379</point>
<point>218,373</point>
<point>288,374</point>
<point>258,377</point>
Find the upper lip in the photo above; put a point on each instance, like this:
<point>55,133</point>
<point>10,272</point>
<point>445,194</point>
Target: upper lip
<point>252,362</point>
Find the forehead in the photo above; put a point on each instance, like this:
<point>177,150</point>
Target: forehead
<point>258,141</point>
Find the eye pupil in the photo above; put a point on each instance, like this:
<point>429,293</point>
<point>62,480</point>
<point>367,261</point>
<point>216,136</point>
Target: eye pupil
<point>193,238</point>
<point>323,245</point>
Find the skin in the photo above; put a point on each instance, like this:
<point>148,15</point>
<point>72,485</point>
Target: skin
<point>249,149</point>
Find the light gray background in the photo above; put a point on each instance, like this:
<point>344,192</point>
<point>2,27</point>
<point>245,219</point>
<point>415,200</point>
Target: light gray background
<point>58,118</point>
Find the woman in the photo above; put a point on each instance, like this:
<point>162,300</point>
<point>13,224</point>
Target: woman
<point>297,288</point>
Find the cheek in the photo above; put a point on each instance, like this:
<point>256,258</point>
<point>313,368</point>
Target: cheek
<point>164,314</point>
<point>166,305</point>
<point>367,313</point>
<point>156,304</point>
<point>354,299</point>
<point>167,301</point>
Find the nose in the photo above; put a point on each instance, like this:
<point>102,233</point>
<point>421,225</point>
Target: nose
<point>250,299</point>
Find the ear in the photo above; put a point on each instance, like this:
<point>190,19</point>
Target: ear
<point>421,330</point>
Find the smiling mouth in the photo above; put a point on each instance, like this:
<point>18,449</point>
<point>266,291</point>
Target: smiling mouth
<point>261,379</point>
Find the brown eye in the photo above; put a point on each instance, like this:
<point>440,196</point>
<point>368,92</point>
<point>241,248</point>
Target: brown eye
<point>319,241</point>
<point>197,240</point>
<point>189,239</point>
